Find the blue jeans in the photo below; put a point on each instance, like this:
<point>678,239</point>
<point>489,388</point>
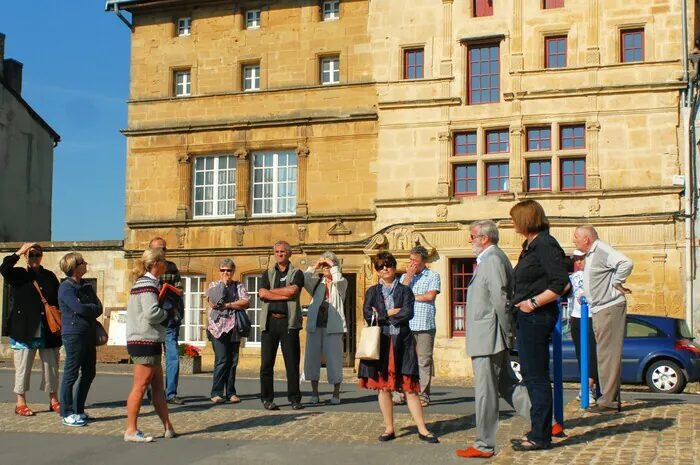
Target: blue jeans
<point>533,332</point>
<point>225,364</point>
<point>172,362</point>
<point>81,357</point>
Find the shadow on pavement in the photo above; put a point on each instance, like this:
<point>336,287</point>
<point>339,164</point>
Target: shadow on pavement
<point>444,427</point>
<point>256,422</point>
<point>651,424</point>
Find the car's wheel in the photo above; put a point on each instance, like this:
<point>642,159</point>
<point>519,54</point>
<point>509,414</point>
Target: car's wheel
<point>515,365</point>
<point>666,377</point>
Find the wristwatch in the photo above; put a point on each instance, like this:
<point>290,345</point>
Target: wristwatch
<point>534,303</point>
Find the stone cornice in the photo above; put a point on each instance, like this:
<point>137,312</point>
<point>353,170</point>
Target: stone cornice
<point>367,215</point>
<point>598,194</point>
<point>249,124</point>
<point>65,246</point>
<point>433,102</point>
<point>577,69</point>
<point>419,201</point>
<point>598,90</point>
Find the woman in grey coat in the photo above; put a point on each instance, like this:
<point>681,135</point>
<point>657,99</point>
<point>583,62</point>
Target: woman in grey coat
<point>325,324</point>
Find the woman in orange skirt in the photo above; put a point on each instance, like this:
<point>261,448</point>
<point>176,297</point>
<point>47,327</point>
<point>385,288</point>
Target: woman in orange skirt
<point>391,303</point>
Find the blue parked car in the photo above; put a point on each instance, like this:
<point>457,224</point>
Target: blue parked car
<point>657,351</point>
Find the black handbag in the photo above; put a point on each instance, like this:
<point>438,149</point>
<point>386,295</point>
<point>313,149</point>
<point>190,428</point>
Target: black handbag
<point>242,323</point>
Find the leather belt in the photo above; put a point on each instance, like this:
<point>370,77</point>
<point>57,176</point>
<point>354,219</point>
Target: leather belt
<point>279,316</point>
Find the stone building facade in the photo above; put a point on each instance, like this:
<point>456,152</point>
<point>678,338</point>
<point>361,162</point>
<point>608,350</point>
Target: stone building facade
<point>359,126</point>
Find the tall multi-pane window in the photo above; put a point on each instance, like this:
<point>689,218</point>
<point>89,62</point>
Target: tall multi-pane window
<point>183,83</point>
<point>214,186</point>
<point>497,178</point>
<point>465,143</point>
<point>549,4</point>
<point>184,26</point>
<point>461,272</point>
<point>632,45</point>
<point>252,282</point>
<point>497,141</point>
<point>252,19</point>
<point>464,179</point>
<point>539,175</point>
<point>331,10</point>
<point>251,77</point>
<point>483,8</point>
<point>484,74</point>
<point>413,63</point>
<point>274,183</point>
<point>193,327</point>
<point>573,174</point>
<point>539,139</point>
<point>330,70</point>
<point>555,52</point>
<point>572,137</point>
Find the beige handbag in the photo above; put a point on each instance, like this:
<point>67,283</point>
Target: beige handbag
<point>368,347</point>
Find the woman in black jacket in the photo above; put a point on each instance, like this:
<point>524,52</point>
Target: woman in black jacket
<point>540,277</point>
<point>391,304</point>
<point>27,325</point>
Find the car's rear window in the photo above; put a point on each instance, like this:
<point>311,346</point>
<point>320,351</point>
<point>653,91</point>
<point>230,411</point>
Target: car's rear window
<point>683,330</point>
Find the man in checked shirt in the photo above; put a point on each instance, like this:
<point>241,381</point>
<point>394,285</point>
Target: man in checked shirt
<point>425,284</point>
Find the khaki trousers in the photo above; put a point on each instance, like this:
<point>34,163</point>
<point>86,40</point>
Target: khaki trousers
<point>24,359</point>
<point>609,328</point>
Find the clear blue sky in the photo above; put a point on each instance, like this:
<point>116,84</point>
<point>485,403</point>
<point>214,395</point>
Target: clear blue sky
<point>76,76</point>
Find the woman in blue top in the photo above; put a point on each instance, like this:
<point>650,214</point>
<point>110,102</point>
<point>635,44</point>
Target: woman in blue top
<point>79,307</point>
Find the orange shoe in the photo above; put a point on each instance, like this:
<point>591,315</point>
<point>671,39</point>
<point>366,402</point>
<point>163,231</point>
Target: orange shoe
<point>472,452</point>
<point>558,431</point>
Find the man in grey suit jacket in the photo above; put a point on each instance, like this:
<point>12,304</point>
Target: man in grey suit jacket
<point>488,326</point>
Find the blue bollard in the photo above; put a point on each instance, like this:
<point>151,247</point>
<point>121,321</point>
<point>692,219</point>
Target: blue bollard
<point>558,375</point>
<point>584,353</point>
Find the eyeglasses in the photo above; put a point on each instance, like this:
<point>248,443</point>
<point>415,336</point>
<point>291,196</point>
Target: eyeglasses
<point>225,270</point>
<point>381,266</point>
<point>35,255</point>
<point>474,237</point>
<point>164,249</point>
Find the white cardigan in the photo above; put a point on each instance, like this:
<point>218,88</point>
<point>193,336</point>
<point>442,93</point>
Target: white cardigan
<point>336,310</point>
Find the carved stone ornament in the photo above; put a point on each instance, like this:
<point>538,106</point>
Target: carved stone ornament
<point>441,212</point>
<point>399,240</point>
<point>301,233</point>
<point>368,270</point>
<point>180,235</point>
<point>184,158</point>
<point>240,232</point>
<point>263,261</point>
<point>303,150</point>
<point>241,153</point>
<point>594,207</point>
<point>339,228</point>
<point>443,189</point>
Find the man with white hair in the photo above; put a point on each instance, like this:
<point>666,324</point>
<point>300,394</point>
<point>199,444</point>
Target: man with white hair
<point>604,274</point>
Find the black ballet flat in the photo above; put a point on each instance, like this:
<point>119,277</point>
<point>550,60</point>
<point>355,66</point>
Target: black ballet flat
<point>429,438</point>
<point>387,437</point>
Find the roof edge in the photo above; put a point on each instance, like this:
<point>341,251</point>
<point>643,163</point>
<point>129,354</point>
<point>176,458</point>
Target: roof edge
<point>42,122</point>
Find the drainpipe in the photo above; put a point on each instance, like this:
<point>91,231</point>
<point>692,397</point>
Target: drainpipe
<point>685,121</point>
<point>131,26</point>
<point>684,12</point>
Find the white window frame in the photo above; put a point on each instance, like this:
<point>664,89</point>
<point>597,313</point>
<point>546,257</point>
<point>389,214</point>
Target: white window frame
<point>183,83</point>
<point>273,181</point>
<point>331,10</point>
<point>332,76</point>
<point>216,185</point>
<point>251,83</point>
<point>254,310</point>
<point>194,324</point>
<point>184,26</point>
<point>252,19</point>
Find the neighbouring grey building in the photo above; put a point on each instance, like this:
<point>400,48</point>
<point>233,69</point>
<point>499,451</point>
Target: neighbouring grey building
<point>26,160</point>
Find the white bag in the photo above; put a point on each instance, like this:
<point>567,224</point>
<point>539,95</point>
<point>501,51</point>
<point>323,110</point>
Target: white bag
<point>368,347</point>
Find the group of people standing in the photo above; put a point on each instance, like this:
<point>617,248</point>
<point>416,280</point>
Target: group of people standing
<point>499,299</point>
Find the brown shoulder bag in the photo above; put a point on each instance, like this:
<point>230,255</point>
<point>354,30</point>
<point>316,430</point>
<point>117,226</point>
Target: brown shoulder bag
<point>53,314</point>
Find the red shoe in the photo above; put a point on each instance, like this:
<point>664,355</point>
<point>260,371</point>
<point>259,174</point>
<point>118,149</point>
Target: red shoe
<point>558,431</point>
<point>472,452</point>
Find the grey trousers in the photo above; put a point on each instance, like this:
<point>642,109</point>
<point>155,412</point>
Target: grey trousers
<point>24,359</point>
<point>609,328</point>
<point>425,340</point>
<point>320,342</point>
<point>493,375</point>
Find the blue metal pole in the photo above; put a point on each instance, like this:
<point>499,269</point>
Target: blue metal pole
<point>584,353</point>
<point>557,365</point>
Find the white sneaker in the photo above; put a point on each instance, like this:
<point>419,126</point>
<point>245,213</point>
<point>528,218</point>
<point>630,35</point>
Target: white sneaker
<point>169,434</point>
<point>335,400</point>
<point>314,400</point>
<point>138,436</point>
<point>591,397</point>
<point>73,420</point>
<point>85,417</point>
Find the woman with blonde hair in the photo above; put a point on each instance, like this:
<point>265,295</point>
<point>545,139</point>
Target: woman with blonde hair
<point>325,324</point>
<point>145,335</point>
<point>79,307</point>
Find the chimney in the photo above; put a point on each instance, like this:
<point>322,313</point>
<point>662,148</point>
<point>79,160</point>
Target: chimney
<point>12,75</point>
<point>2,53</point>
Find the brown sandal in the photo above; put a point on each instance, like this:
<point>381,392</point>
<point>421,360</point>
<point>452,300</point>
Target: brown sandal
<point>24,411</point>
<point>55,407</point>
<point>235,399</point>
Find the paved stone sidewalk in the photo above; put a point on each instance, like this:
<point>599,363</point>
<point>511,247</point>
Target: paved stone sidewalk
<point>645,433</point>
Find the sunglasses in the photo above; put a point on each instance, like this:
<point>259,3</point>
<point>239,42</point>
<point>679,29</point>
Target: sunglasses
<point>381,266</point>
<point>80,262</point>
<point>35,255</point>
<point>225,270</point>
